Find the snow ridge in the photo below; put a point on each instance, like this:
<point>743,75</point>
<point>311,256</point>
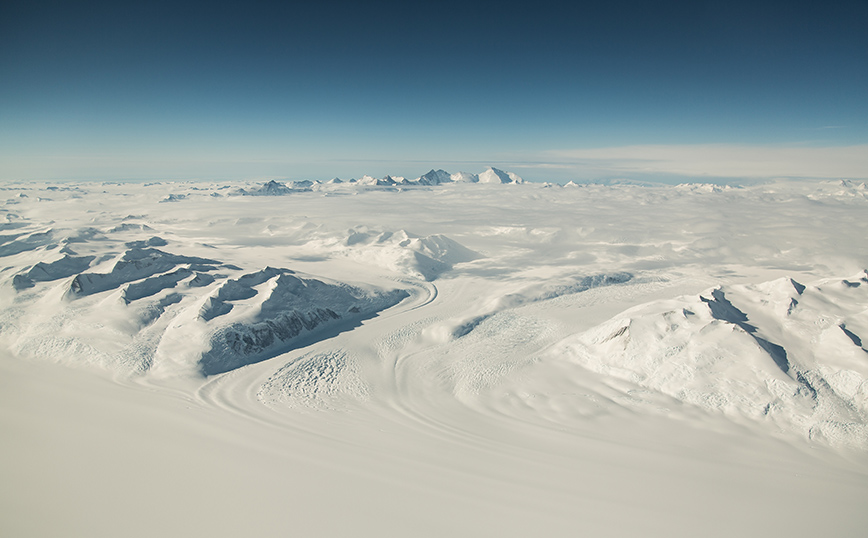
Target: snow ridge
<point>135,264</point>
<point>766,353</point>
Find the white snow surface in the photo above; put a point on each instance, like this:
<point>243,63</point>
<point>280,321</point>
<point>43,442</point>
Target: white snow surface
<point>464,177</point>
<point>432,357</point>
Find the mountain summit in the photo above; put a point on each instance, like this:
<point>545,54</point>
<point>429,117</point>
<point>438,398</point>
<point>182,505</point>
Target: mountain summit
<point>493,175</point>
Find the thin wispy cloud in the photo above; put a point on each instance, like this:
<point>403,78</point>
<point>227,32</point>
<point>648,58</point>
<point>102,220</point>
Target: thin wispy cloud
<point>722,161</point>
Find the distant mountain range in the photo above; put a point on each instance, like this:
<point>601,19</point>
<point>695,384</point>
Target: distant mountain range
<point>434,177</point>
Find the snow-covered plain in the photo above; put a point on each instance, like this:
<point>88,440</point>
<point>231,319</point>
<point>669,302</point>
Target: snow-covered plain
<point>450,356</point>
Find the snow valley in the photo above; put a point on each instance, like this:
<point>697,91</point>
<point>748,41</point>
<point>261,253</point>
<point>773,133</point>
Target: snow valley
<point>457,354</point>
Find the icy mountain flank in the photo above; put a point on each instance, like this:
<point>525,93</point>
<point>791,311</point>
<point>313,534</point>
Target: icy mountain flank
<point>290,307</point>
<point>780,353</point>
<point>435,177</point>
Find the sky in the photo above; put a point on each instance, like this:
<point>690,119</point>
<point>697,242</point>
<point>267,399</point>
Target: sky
<point>554,91</point>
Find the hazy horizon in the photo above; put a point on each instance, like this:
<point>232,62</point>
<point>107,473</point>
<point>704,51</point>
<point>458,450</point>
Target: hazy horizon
<point>555,93</point>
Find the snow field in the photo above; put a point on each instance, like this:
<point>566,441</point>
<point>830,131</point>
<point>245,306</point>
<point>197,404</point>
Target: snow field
<point>430,358</point>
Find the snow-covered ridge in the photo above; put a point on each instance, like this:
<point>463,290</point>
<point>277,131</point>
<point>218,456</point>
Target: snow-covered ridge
<point>401,251</point>
<point>136,264</point>
<point>779,353</point>
<point>290,307</point>
<point>176,314</point>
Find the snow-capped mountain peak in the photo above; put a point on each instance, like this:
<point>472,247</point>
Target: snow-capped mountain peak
<point>494,175</point>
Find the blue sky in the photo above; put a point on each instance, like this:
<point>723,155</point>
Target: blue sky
<point>551,90</point>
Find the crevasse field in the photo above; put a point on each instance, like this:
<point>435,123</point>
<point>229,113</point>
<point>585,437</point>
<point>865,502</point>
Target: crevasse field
<point>450,356</point>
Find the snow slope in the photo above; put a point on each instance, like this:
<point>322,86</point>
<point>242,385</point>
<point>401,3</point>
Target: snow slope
<point>778,354</point>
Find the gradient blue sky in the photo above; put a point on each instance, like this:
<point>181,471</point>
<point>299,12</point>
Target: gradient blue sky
<point>551,90</point>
